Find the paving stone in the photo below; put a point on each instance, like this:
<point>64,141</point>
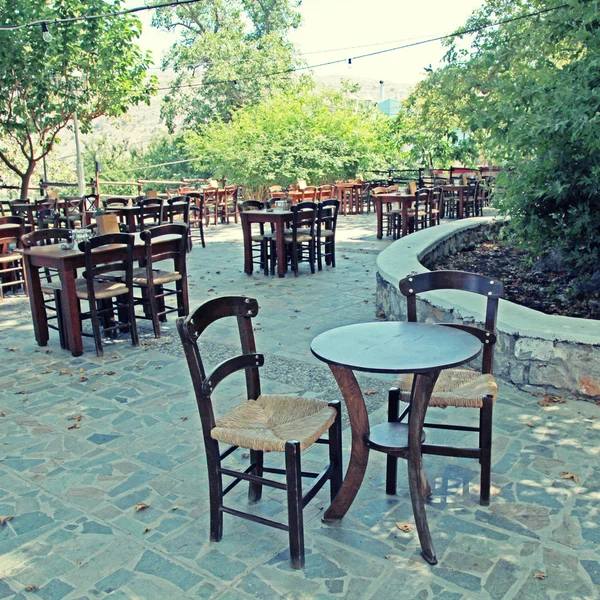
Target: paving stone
<point>114,581</point>
<point>154,564</point>
<point>54,590</point>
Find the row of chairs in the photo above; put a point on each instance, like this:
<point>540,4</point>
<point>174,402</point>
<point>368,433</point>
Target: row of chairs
<point>309,237</point>
<point>268,424</point>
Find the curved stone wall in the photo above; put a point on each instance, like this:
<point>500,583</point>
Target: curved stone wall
<point>539,353</point>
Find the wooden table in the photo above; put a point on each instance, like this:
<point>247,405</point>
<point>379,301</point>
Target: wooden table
<point>66,262</point>
<point>279,218</point>
<point>404,200</point>
<point>390,347</point>
<point>354,189</point>
<point>461,189</point>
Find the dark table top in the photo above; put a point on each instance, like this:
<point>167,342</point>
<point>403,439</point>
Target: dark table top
<point>395,347</point>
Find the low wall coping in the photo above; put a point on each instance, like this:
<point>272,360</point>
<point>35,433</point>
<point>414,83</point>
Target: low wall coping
<point>404,256</point>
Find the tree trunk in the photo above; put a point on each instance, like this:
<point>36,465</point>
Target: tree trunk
<point>25,179</point>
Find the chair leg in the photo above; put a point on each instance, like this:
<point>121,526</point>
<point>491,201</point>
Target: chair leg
<point>152,300</point>
<point>319,255</point>
<point>331,251</point>
<point>96,328</point>
<point>311,256</point>
<point>485,436</point>
<point>255,489</point>
<point>215,486</point>
<point>59,319</point>
<point>391,470</point>
<point>335,451</point>
<point>294,499</point>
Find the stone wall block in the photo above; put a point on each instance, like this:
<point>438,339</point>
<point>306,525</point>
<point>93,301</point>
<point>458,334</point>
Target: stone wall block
<point>534,349</point>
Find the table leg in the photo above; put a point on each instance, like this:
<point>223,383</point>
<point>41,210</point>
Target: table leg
<point>416,474</point>
<point>280,241</point>
<point>379,210</point>
<point>70,308</point>
<point>131,226</point>
<point>405,218</point>
<point>246,227</point>
<point>359,455</point>
<point>36,301</point>
<point>460,204</point>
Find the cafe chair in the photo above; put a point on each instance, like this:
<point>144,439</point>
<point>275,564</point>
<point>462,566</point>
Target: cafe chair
<point>12,274</point>
<point>197,216</point>
<point>229,201</point>
<point>300,238</point>
<point>326,224</point>
<point>152,281</point>
<point>211,204</point>
<point>460,388</point>
<point>71,212</point>
<point>106,255</point>
<point>260,423</point>
<point>151,213</point>
<point>50,281</point>
<point>26,211</point>
<point>325,192</point>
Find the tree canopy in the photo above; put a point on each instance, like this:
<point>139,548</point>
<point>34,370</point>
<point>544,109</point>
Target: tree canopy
<point>300,133</point>
<point>230,53</point>
<point>91,67</point>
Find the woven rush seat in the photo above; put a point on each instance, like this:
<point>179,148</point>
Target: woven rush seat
<point>140,276</point>
<point>301,237</point>
<point>267,423</point>
<point>103,289</point>
<point>261,237</point>
<point>49,287</point>
<point>454,387</point>
<point>8,258</point>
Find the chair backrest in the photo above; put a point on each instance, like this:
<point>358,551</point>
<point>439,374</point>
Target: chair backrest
<point>460,280</point>
<point>191,328</point>
<point>304,215</point>
<point>151,194</point>
<point>178,256</point>
<point>412,187</point>
<point>251,205</point>
<point>309,193</point>
<point>24,210</point>
<point>11,235</point>
<point>325,192</point>
<point>151,212</point>
<point>327,215</point>
<point>179,206</point>
<point>12,220</point>
<point>45,237</point>
<point>379,190</point>
<point>107,253</point>
<point>393,188</point>
<point>115,202</point>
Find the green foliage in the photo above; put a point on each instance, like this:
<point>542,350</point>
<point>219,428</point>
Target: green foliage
<point>301,133</point>
<point>225,56</point>
<point>92,68</point>
<point>529,92</point>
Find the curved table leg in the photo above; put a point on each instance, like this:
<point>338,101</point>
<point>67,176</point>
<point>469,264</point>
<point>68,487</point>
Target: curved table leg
<point>417,480</point>
<point>359,456</point>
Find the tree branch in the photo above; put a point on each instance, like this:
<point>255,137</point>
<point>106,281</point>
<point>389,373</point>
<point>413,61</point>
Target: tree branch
<point>12,167</point>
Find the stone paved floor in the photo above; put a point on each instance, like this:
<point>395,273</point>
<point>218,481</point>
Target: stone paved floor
<point>72,491</point>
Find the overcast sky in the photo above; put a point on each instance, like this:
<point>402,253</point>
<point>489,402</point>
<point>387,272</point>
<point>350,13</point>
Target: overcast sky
<point>337,30</point>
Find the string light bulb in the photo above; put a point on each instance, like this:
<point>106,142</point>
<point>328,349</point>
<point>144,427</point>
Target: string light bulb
<point>46,35</point>
<point>349,64</point>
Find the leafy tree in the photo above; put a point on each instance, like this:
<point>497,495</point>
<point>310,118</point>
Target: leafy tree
<point>300,133</point>
<point>225,56</point>
<point>39,87</point>
<point>529,91</point>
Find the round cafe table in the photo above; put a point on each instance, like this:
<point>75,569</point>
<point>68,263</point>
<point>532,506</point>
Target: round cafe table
<point>391,347</point>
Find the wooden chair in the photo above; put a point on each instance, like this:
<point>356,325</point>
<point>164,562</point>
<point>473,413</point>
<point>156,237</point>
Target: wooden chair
<point>301,236</point>
<point>229,203</point>
<point>151,213</point>
<point>197,216</point>
<point>325,192</point>
<point>71,212</point>
<point>326,224</point>
<point>26,211</point>
<point>51,286</point>
<point>106,257</point>
<point>454,387</point>
<point>152,281</point>
<point>12,273</point>
<point>276,191</point>
<point>211,204</point>
<point>309,194</point>
<point>261,424</point>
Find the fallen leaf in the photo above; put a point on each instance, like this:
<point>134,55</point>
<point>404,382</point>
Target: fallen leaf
<point>83,379</point>
<point>176,507</point>
<point>109,372</point>
<point>570,476</point>
<point>146,530</point>
<point>4,520</point>
<point>75,418</point>
<point>404,527</point>
<point>21,392</point>
<point>2,414</point>
<point>245,454</point>
<point>529,424</point>
<point>157,368</point>
<point>389,556</point>
<point>210,290</point>
<point>32,588</point>
<point>539,575</point>
<point>370,392</point>
<point>45,372</point>
<point>82,370</point>
<point>184,418</point>
<point>74,426</point>
<point>293,317</point>
<point>116,356</point>
<point>11,349</point>
<point>65,373</point>
<point>141,506</point>
<point>307,328</point>
<point>256,328</point>
<point>548,400</point>
<point>48,351</point>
